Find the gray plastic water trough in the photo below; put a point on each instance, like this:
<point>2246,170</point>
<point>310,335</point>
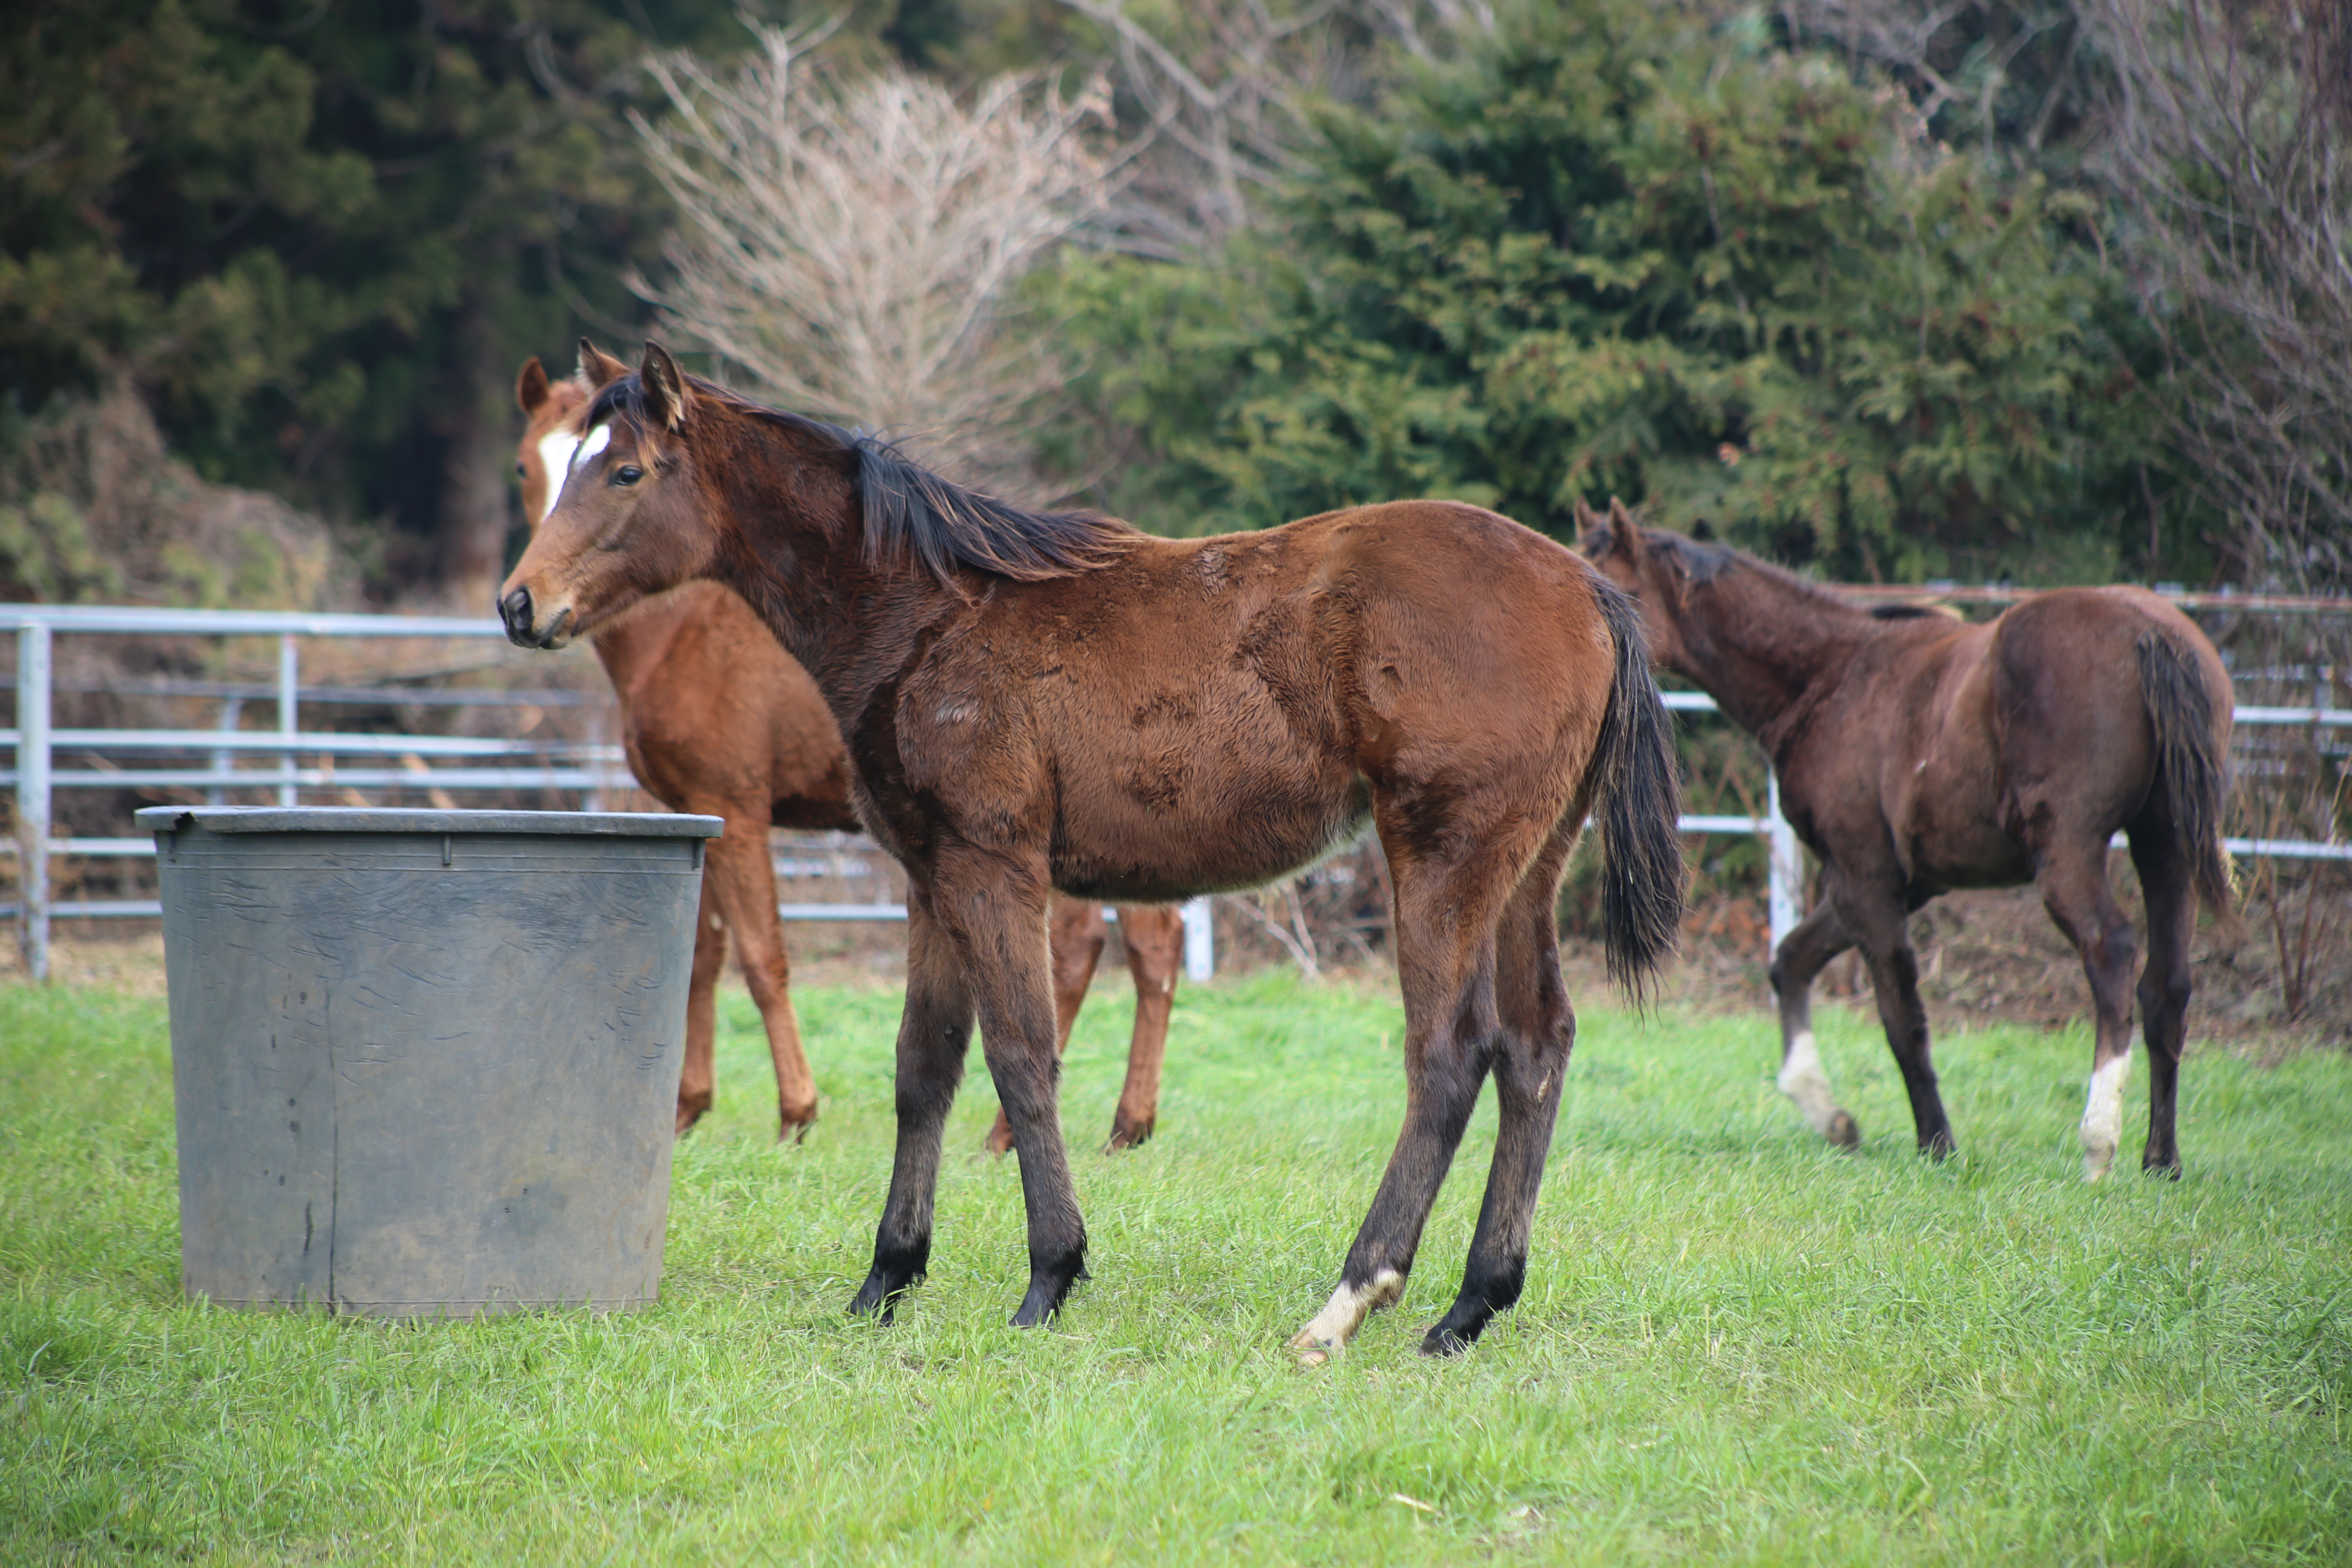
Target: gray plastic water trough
<point>425,1062</point>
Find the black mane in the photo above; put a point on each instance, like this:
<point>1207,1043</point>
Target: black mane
<point>907,508</point>
<point>1699,565</point>
<point>1693,562</point>
<point>1698,562</point>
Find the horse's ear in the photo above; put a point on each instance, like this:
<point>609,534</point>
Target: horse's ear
<point>530,385</point>
<point>667,398</point>
<point>1584,517</point>
<point>1625,538</point>
<point>597,367</point>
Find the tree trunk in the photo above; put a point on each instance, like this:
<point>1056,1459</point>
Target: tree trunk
<point>478,504</point>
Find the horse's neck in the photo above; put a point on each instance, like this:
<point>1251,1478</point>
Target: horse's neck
<point>1767,649</point>
<point>635,643</point>
<point>797,556</point>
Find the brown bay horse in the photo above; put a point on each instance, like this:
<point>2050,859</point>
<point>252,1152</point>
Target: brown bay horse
<point>1041,700</point>
<point>1918,754</point>
<point>717,718</point>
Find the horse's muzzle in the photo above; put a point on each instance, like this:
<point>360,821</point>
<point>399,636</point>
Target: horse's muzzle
<point>515,610</point>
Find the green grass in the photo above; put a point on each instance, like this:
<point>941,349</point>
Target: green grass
<point>1736,1344</point>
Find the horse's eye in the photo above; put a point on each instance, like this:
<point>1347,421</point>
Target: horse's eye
<point>627,474</point>
<point>519,469</point>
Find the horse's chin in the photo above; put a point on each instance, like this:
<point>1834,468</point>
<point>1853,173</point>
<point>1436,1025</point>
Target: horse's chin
<point>571,623</point>
<point>558,632</point>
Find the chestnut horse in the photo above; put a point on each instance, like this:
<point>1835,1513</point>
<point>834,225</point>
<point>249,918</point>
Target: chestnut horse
<point>716,718</point>
<point>1037,700</point>
<point>1917,753</point>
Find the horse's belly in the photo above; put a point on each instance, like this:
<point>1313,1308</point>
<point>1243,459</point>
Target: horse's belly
<point>1214,841</point>
<point>1952,838</point>
<point>1987,859</point>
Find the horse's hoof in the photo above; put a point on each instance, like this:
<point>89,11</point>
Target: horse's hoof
<point>2168,1169</point>
<point>876,1298</point>
<point>1444,1339</point>
<point>999,1139</point>
<point>1844,1131</point>
<point>689,1113</point>
<point>881,1294</point>
<point>1126,1134</point>
<point>1048,1288</point>
<point>791,1128</point>
<point>1938,1146</point>
<point>1463,1323</point>
<point>1327,1333</point>
<point>895,1271</point>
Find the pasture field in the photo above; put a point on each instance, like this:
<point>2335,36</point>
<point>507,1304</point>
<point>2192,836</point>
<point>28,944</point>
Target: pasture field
<point>1737,1345</point>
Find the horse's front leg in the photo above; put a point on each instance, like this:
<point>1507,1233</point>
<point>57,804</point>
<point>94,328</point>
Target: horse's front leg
<point>1876,916</point>
<point>1816,939</point>
<point>996,907</point>
<point>934,1032</point>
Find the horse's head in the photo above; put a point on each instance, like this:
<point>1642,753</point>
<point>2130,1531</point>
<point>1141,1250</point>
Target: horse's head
<point>621,518</point>
<point>551,411</point>
<point>1645,567</point>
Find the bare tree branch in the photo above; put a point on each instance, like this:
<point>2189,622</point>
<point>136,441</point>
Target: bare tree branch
<point>2232,140</point>
<point>855,249</point>
<point>1221,86</point>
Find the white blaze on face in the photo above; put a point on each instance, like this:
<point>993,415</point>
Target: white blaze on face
<point>1327,1335</point>
<point>1802,1081</point>
<point>555,450</point>
<point>2103,1117</point>
<point>598,439</point>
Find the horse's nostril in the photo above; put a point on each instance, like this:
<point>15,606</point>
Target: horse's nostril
<point>515,611</point>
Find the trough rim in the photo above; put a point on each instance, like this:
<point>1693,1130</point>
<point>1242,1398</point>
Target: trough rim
<point>395,819</point>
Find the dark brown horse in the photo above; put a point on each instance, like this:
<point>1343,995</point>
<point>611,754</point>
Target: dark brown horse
<point>1917,753</point>
<point>717,718</point>
<point>1037,700</point>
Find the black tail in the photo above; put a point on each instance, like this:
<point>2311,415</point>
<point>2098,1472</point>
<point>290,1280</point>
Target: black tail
<point>1640,800</point>
<point>2193,772</point>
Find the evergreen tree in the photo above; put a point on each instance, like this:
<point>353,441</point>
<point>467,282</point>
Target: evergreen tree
<point>1616,250</point>
<point>319,238</point>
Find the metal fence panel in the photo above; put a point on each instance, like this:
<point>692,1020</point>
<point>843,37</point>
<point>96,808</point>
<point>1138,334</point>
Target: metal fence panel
<point>587,768</point>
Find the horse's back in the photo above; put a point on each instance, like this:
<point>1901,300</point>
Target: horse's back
<point>1237,701</point>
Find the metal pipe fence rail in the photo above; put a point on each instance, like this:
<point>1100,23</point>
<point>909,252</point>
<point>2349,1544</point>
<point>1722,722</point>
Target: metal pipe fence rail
<point>587,768</point>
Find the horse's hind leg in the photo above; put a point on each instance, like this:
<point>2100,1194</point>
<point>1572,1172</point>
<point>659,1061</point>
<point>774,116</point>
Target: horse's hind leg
<point>698,1077</point>
<point>2073,877</point>
<point>745,878</point>
<point>1816,939</point>
<point>1446,918</point>
<point>2164,985</point>
<point>934,1032</point>
<point>1153,935</point>
<point>1078,934</point>
<point>1538,1029</point>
